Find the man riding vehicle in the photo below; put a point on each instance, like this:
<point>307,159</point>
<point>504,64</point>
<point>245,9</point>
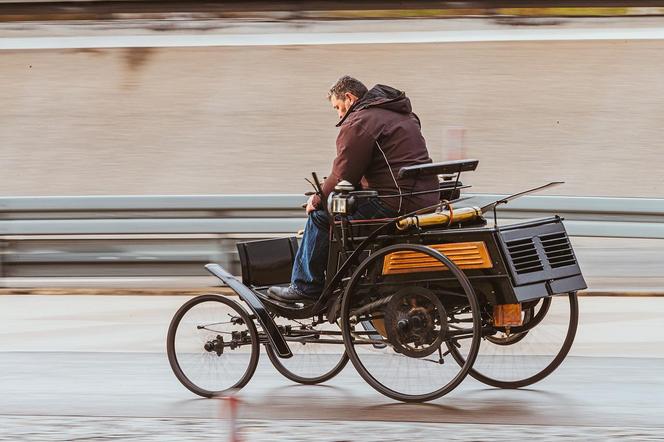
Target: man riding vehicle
<point>378,135</point>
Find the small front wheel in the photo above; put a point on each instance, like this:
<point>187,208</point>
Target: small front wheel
<point>212,345</point>
<point>318,352</point>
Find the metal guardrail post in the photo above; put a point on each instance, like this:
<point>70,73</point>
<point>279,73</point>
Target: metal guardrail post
<point>3,247</point>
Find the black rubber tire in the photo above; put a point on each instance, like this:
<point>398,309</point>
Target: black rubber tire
<point>276,361</point>
<point>348,338</point>
<point>172,356</point>
<point>557,360</point>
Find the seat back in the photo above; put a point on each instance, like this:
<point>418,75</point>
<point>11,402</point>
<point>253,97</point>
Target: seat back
<point>444,168</point>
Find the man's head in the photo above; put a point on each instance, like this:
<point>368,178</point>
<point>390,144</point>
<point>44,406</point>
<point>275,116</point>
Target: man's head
<point>344,93</point>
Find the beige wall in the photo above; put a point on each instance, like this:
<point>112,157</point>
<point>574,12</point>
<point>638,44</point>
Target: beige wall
<point>255,119</point>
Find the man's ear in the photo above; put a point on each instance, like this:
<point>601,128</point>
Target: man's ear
<point>351,97</point>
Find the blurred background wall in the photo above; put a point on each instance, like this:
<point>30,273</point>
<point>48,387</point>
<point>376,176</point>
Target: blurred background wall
<point>214,120</point>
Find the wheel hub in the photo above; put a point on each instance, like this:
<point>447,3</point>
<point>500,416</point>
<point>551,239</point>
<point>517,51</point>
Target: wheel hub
<point>215,345</point>
<point>415,322</point>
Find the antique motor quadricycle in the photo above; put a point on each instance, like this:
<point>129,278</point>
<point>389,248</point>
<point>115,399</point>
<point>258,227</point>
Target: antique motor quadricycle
<point>416,302</point>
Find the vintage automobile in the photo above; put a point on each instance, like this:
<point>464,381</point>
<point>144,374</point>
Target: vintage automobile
<point>416,302</point>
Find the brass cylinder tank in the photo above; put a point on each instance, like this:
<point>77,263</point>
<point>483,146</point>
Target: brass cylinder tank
<point>444,217</point>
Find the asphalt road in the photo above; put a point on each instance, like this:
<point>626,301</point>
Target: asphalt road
<point>79,367</point>
<point>609,394</point>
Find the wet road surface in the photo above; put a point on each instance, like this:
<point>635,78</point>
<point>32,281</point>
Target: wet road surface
<point>94,394</point>
<point>94,367</point>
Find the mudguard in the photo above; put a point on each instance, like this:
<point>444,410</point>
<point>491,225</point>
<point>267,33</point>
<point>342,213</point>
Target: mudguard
<point>276,339</point>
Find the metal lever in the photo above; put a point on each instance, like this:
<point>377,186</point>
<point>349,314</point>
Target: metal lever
<point>507,199</point>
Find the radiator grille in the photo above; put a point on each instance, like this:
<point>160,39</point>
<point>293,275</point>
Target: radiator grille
<point>558,250</point>
<point>540,258</point>
<point>524,256</point>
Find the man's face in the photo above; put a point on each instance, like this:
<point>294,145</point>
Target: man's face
<point>343,103</point>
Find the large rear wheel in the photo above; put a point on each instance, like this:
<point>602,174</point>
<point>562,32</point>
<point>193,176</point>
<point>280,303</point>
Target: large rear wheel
<point>212,345</point>
<point>519,359</point>
<point>403,353</point>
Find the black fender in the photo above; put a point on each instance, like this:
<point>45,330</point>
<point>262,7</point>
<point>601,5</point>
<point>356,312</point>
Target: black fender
<point>247,295</point>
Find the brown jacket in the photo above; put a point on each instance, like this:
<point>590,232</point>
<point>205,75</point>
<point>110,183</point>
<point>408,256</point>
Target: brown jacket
<point>379,135</point>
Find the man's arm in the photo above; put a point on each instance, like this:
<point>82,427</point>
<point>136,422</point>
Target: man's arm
<point>354,151</point>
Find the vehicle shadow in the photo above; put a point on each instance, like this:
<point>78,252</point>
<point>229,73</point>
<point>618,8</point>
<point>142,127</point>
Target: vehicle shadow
<point>460,412</point>
<point>299,391</point>
<point>340,402</point>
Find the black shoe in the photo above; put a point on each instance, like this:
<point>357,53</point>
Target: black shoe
<point>288,294</point>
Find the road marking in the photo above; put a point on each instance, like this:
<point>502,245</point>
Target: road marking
<point>337,38</point>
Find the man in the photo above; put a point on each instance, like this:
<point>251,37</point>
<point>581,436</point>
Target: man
<point>378,135</point>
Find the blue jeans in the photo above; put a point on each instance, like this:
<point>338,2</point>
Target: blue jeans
<point>308,275</point>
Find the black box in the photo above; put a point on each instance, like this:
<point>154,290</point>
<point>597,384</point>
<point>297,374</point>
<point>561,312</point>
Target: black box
<point>267,262</point>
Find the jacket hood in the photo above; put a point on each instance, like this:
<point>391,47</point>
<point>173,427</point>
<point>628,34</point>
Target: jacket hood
<point>382,96</point>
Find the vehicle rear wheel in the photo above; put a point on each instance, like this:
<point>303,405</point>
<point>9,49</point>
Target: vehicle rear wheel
<point>403,354</point>
<point>520,359</point>
<point>318,352</point>
<point>212,345</point>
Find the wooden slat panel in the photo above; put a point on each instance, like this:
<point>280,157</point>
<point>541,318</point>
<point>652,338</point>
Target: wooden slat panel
<point>466,255</point>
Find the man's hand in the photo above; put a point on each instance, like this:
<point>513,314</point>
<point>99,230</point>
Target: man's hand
<point>310,205</point>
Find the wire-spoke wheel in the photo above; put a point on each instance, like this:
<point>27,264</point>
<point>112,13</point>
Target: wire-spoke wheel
<point>212,345</point>
<point>395,328</point>
<point>519,359</point>
<point>318,352</point>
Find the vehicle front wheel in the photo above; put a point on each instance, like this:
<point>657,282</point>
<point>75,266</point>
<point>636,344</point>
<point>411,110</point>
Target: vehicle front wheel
<point>318,352</point>
<point>212,345</point>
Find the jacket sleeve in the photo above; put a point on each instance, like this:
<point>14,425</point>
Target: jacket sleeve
<point>354,151</point>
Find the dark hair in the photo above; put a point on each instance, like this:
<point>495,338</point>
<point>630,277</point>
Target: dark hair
<point>347,84</point>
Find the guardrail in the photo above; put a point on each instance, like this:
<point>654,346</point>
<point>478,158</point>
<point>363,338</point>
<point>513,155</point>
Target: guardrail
<point>274,214</point>
<point>156,236</point>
